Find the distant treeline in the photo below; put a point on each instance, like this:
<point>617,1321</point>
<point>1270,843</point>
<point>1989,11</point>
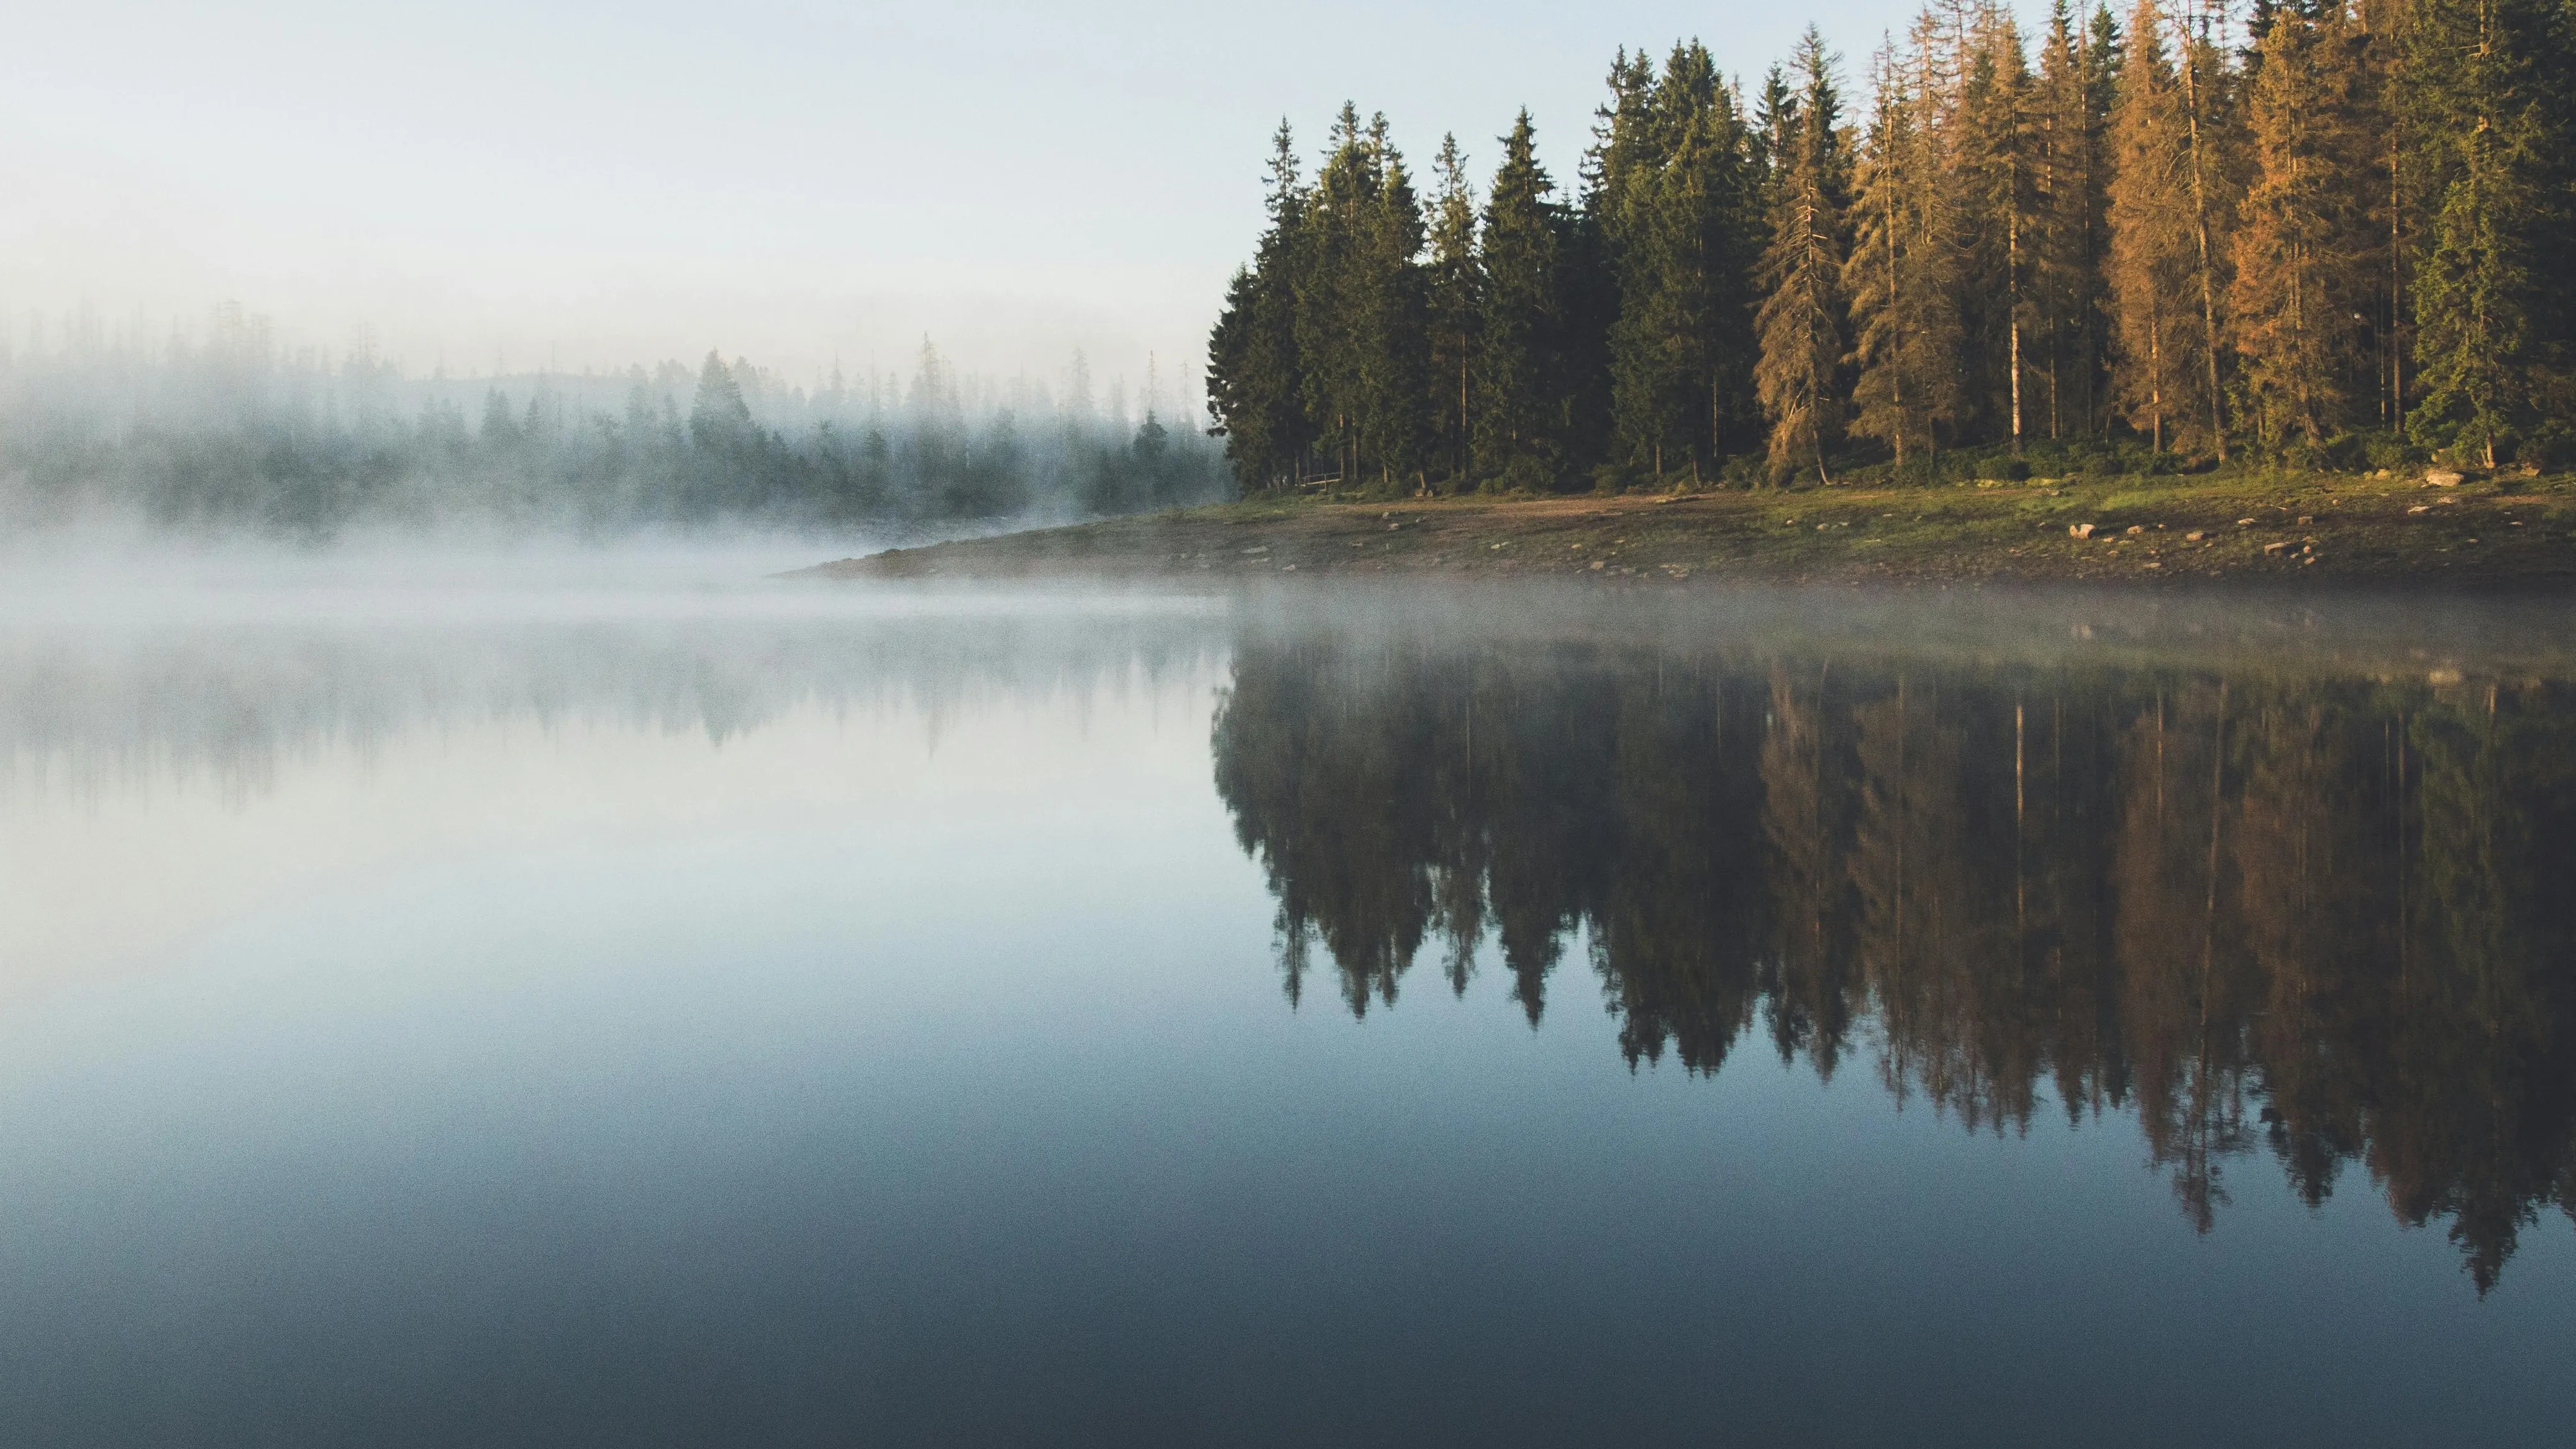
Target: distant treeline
<point>227,436</point>
<point>2338,233</point>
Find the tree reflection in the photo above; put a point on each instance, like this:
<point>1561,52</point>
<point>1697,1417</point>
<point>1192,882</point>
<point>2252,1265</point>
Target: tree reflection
<point>2324,916</point>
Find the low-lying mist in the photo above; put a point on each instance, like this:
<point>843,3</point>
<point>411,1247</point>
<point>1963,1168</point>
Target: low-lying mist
<point>229,439</point>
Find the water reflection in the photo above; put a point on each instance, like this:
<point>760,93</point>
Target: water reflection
<point>2310,913</point>
<point>138,703</point>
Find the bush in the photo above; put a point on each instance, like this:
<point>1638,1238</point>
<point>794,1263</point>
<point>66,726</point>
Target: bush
<point>1526,475</point>
<point>2551,445</point>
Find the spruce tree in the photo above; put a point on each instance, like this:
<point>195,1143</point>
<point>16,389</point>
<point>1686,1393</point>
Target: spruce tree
<point>2486,81</point>
<point>1393,321</point>
<point>1998,182</point>
<point>1632,143</point>
<point>2305,236</point>
<point>2395,215</point>
<point>1680,346</point>
<point>1361,324</point>
<point>1456,286</point>
<point>1803,314</point>
<point>1332,290</point>
<point>718,417</point>
<point>2156,344</point>
<point>1710,224</point>
<point>1520,417</point>
<point>1899,276</point>
<point>1255,383</point>
<point>2211,134</point>
<point>2071,99</point>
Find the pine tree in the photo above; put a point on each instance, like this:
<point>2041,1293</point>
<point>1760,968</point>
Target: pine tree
<point>1519,422</point>
<point>2486,81</point>
<point>1680,346</point>
<point>2394,213</point>
<point>1394,401</point>
<point>718,417</point>
<point>1360,325</point>
<point>1710,223</point>
<point>2156,357</point>
<point>2209,130</point>
<point>2072,107</point>
<point>2305,237</point>
<point>1255,382</point>
<point>1456,288</point>
<point>1900,277</point>
<point>1800,374</point>
<point>1997,178</point>
<point>1632,143</point>
<point>1331,290</point>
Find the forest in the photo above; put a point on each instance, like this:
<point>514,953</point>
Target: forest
<point>2319,235</point>
<point>230,433</point>
<point>2316,917</point>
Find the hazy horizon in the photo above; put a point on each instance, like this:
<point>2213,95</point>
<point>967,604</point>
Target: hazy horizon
<point>578,189</point>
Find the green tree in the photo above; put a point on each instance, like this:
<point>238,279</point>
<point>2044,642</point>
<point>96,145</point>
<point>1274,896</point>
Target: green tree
<point>1333,289</point>
<point>1456,289</point>
<point>718,417</point>
<point>1681,348</point>
<point>2156,371</point>
<point>2211,132</point>
<point>1900,275</point>
<point>2486,81</point>
<point>1520,417</point>
<point>1998,167</point>
<point>2072,100</point>
<point>2306,236</point>
<point>1256,378</point>
<point>1803,314</point>
<point>1393,322</point>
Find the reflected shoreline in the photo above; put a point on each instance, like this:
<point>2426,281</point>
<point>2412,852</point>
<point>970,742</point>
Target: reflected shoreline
<point>2296,904</point>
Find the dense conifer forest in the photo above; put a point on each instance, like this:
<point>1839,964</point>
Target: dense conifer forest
<point>2319,235</point>
<point>229,432</point>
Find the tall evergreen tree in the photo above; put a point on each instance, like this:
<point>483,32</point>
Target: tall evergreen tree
<point>2393,201</point>
<point>1998,173</point>
<point>1456,289</point>
<point>1360,304</point>
<point>1255,379</point>
<point>2487,81</point>
<point>1803,314</point>
<point>1899,277</point>
<point>2211,132</point>
<point>2156,367</point>
<point>2072,108</point>
<point>2306,236</point>
<point>718,417</point>
<point>1394,400</point>
<point>1675,199</point>
<point>1332,288</point>
<point>1520,414</point>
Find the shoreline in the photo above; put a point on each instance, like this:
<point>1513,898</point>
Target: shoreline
<point>2519,534</point>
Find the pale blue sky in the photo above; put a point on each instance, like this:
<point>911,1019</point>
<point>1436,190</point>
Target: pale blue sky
<point>593,183</point>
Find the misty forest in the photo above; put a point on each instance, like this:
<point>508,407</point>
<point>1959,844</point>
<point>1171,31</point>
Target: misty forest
<point>2324,234</point>
<point>232,432</point>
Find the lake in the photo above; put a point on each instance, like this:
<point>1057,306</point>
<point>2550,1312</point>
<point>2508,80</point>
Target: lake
<point>680,1013</point>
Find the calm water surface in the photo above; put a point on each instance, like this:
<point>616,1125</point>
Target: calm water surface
<point>787,1017</point>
